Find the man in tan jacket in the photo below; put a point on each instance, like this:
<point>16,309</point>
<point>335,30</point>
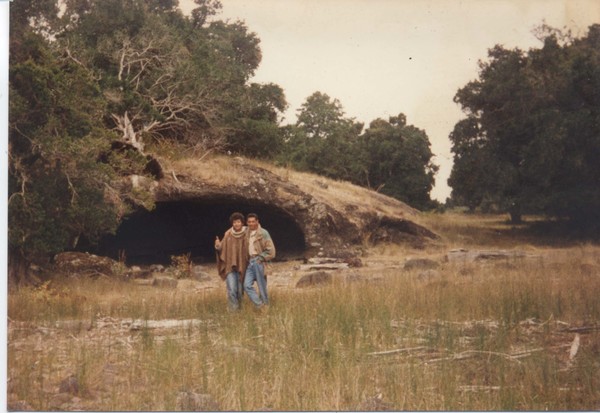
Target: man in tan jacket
<point>232,258</point>
<point>261,250</point>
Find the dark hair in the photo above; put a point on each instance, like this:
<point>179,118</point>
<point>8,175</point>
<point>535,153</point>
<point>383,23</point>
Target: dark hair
<point>252,215</point>
<point>235,216</point>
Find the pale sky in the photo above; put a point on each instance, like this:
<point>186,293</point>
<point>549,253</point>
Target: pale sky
<point>384,57</point>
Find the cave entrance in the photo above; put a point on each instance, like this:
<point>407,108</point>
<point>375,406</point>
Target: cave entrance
<point>182,227</point>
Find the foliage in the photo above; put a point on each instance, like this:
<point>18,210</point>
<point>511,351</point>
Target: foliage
<point>398,160</point>
<point>103,70</point>
<point>182,265</point>
<point>59,190</point>
<point>530,142</point>
<point>256,130</point>
<point>168,76</point>
<point>390,156</point>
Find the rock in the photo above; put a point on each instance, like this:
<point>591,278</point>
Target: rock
<point>157,268</point>
<point>314,278</point>
<point>69,385</point>
<point>343,255</point>
<point>322,260</point>
<point>462,255</point>
<point>196,402</point>
<point>80,263</point>
<point>421,264</point>
<point>137,272</point>
<point>351,260</point>
<point>333,266</point>
<point>164,282</point>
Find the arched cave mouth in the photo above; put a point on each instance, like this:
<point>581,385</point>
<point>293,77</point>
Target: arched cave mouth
<point>190,226</point>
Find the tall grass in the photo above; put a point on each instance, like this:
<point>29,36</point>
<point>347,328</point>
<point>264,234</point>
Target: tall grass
<point>457,340</point>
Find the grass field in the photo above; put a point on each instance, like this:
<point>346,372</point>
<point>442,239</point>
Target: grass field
<point>505,335</point>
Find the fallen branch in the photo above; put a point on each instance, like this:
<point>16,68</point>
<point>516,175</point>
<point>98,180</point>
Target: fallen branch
<point>526,353</point>
<point>472,353</point>
<point>584,329</point>
<point>475,388</point>
<point>396,351</point>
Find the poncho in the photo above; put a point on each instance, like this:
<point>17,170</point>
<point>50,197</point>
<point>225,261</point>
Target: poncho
<point>233,255</point>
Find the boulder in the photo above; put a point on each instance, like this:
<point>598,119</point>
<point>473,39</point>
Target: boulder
<point>462,255</point>
<point>83,263</point>
<point>314,278</point>
<point>350,259</point>
<point>332,266</point>
<point>138,272</point>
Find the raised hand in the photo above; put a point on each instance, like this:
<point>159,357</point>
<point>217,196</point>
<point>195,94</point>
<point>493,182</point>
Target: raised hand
<point>217,243</point>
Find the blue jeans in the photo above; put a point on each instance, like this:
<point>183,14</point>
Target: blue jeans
<point>234,289</point>
<point>256,272</point>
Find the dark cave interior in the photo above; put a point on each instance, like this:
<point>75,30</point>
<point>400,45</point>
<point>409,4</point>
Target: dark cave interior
<point>181,227</point>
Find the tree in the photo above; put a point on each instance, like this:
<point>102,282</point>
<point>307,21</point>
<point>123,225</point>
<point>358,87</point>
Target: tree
<point>533,127</point>
<point>323,139</point>
<point>166,76</point>
<point>56,183</point>
<point>397,161</point>
<point>390,156</point>
<point>256,130</point>
<point>107,70</point>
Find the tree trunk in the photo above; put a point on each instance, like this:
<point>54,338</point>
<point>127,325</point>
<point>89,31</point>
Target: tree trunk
<point>516,216</point>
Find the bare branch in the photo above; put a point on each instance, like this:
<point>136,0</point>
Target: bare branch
<point>396,351</point>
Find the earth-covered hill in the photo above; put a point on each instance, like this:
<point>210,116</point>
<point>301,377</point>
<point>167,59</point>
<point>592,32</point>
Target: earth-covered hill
<point>305,213</point>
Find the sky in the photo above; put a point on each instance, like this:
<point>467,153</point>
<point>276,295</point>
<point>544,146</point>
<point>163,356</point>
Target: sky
<point>380,58</point>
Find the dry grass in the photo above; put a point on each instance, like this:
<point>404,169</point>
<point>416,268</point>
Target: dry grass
<point>472,337</point>
<point>224,170</point>
<point>342,193</point>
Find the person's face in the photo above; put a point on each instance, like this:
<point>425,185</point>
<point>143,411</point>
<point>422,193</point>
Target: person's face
<point>237,224</point>
<point>252,223</point>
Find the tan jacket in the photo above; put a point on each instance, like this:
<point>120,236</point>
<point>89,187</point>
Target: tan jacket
<point>263,244</point>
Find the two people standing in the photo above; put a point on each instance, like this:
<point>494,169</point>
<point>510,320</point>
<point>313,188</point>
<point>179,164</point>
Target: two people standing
<point>241,258</point>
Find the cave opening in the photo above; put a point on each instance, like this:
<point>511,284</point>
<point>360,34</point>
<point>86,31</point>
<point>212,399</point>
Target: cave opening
<point>181,227</point>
